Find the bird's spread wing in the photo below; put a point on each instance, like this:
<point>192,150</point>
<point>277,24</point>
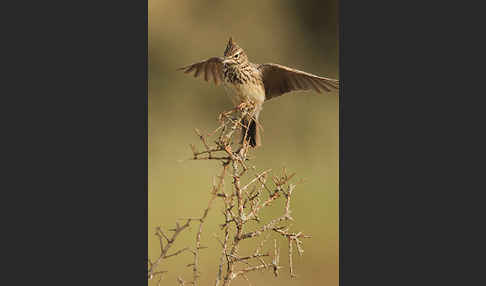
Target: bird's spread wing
<point>280,79</point>
<point>212,67</point>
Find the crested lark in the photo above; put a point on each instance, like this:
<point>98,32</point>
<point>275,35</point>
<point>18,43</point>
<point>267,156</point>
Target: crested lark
<point>245,81</point>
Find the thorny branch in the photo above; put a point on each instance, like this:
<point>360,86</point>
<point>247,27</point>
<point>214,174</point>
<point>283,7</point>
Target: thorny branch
<point>245,201</point>
<point>152,266</point>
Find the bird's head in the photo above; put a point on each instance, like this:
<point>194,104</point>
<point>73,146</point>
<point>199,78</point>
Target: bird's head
<point>234,55</point>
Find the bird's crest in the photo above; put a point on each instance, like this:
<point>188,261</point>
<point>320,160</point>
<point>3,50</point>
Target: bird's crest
<point>231,48</point>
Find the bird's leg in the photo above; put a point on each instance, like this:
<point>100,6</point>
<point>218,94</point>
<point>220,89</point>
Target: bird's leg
<point>245,123</point>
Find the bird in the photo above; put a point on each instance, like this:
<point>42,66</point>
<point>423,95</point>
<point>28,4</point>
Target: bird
<point>245,81</point>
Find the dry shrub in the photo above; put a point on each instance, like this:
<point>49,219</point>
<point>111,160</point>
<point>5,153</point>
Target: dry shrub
<point>243,204</point>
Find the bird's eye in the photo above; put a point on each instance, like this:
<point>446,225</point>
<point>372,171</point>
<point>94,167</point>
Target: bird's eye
<point>236,56</point>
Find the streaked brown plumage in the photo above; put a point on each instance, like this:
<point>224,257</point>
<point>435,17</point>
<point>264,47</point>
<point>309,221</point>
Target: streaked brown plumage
<point>245,81</point>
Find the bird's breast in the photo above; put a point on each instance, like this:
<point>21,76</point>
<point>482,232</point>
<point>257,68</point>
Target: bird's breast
<point>246,91</point>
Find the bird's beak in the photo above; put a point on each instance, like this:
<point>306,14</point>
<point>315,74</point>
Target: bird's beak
<point>228,61</point>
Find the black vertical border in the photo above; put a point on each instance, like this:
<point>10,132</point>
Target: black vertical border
<point>411,139</point>
<point>77,142</point>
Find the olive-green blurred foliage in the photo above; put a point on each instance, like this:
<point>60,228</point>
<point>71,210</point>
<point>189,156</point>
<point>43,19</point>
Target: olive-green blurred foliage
<point>300,129</point>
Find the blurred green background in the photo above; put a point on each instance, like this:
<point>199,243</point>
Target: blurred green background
<point>300,129</point>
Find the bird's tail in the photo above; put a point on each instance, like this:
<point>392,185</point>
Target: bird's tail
<point>253,135</point>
